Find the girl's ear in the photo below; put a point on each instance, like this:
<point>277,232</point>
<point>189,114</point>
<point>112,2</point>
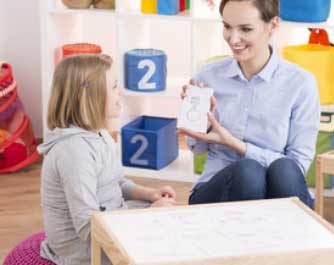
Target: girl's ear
<point>274,25</point>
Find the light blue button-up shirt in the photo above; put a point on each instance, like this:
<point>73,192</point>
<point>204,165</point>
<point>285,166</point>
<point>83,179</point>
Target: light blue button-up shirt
<point>276,113</point>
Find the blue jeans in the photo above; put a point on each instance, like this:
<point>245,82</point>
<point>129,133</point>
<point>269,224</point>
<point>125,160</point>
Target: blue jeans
<point>247,179</point>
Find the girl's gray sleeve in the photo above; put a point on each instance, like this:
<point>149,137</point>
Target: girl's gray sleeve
<point>127,187</point>
<point>78,171</point>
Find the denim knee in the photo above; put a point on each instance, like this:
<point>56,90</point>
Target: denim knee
<point>285,179</point>
<point>248,180</point>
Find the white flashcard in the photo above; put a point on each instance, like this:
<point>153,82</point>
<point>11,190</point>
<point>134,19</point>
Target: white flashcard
<point>195,108</point>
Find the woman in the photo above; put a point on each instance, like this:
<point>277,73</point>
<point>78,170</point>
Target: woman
<point>265,123</point>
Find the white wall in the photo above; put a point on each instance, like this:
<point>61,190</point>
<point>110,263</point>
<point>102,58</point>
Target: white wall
<point>20,46</point>
<point>1,32</point>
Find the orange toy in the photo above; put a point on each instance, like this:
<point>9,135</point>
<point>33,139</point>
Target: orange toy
<point>319,36</point>
<point>75,48</point>
<point>3,136</point>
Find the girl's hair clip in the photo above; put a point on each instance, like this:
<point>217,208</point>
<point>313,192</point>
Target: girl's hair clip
<point>84,84</point>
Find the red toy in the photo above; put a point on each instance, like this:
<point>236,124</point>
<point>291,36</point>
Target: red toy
<point>18,144</point>
<point>319,36</point>
<point>182,5</point>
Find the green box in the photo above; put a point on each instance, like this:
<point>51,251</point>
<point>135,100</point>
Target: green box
<point>199,163</point>
<point>323,145</point>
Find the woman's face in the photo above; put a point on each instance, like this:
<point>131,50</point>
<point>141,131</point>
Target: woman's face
<point>244,30</point>
<point>114,96</point>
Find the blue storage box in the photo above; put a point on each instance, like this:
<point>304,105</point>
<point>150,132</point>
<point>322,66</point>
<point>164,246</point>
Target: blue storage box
<point>305,10</point>
<point>149,142</point>
<point>168,7</point>
<point>145,70</point>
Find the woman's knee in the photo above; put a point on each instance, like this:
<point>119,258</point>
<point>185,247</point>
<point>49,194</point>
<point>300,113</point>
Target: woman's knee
<point>284,171</point>
<point>285,178</point>
<point>248,170</point>
<point>248,177</point>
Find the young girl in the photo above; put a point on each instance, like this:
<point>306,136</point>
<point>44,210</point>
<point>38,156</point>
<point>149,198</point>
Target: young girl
<point>81,173</point>
<point>265,126</point>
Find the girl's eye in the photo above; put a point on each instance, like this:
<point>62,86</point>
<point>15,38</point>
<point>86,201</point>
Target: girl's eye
<point>227,27</point>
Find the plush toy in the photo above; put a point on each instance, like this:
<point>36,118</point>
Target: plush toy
<point>77,3</point>
<point>104,4</point>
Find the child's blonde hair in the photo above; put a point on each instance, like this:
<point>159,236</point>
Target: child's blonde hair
<point>79,93</point>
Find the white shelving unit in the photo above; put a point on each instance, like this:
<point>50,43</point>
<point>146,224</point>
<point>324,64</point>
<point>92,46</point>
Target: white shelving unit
<point>196,36</point>
<point>118,31</point>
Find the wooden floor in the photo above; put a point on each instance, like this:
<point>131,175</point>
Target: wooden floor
<point>20,213</point>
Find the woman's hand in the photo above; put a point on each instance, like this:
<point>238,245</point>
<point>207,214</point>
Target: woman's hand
<point>185,87</point>
<point>218,135</point>
<point>166,192</point>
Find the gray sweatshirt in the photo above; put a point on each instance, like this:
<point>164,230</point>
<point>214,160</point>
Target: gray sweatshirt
<point>80,175</point>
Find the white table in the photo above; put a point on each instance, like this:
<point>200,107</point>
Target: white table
<point>268,232</point>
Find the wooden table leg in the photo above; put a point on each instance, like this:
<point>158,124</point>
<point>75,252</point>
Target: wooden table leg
<point>95,251</point>
<point>319,199</point>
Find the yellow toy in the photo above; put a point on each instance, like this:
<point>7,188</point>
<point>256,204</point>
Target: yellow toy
<point>149,6</point>
<point>319,60</point>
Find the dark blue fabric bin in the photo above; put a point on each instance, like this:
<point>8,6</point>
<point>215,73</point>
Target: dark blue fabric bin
<point>149,142</point>
<point>305,10</point>
<point>145,70</point>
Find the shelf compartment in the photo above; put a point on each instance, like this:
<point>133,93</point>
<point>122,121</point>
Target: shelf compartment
<point>181,169</point>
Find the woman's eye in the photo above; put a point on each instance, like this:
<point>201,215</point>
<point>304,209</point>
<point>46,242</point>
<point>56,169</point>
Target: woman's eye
<point>246,29</point>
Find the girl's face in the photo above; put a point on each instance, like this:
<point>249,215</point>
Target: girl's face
<point>245,32</point>
<point>114,96</point>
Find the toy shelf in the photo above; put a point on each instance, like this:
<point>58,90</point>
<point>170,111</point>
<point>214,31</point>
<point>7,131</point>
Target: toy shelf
<point>327,108</point>
<point>118,31</point>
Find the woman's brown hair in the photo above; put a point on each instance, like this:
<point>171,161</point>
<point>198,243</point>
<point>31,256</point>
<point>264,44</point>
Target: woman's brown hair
<point>267,8</point>
<point>79,93</point>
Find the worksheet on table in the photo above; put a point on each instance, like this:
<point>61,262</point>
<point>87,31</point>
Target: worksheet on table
<point>208,232</point>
